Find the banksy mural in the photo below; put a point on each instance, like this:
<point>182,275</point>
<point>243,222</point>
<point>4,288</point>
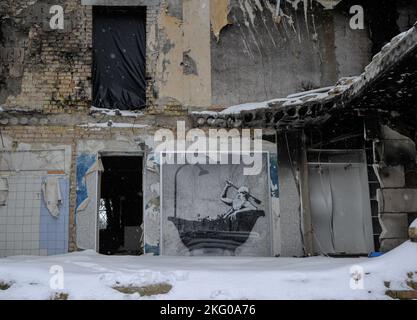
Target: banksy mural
<point>215,210</point>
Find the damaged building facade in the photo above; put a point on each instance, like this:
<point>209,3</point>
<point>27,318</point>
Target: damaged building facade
<point>85,85</point>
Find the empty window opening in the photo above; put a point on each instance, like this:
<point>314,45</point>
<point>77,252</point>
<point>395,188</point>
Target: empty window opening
<point>120,214</point>
<point>119,57</point>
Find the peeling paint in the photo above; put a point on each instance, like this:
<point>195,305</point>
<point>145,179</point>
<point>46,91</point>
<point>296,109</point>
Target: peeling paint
<point>219,12</point>
<point>174,8</point>
<point>84,163</point>
<point>183,69</point>
<point>189,65</point>
<point>197,38</point>
<point>168,80</point>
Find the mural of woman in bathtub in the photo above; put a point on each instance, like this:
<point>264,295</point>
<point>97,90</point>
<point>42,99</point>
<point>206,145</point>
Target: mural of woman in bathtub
<point>242,202</point>
<point>215,210</point>
<point>229,230</point>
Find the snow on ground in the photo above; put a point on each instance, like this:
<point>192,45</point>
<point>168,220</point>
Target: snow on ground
<point>88,275</point>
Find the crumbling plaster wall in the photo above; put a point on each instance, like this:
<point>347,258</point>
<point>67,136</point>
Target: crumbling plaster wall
<point>77,141</point>
<point>44,69</point>
<point>182,43</point>
<point>50,70</point>
<point>199,53</point>
<point>224,52</point>
<point>292,238</point>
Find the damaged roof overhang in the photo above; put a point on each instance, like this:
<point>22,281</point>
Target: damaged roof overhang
<point>387,88</point>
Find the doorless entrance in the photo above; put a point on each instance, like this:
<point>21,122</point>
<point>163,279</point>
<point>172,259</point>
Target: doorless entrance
<point>120,214</point>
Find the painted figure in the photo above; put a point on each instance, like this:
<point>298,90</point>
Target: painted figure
<point>242,202</point>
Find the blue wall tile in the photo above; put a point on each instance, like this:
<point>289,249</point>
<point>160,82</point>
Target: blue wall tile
<point>54,231</point>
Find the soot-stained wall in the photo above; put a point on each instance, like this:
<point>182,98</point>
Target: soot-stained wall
<point>260,55</point>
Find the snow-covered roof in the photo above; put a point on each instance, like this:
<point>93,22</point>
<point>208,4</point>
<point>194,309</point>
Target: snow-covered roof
<point>316,106</point>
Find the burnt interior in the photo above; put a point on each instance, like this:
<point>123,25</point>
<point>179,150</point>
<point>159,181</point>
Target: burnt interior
<point>121,206</point>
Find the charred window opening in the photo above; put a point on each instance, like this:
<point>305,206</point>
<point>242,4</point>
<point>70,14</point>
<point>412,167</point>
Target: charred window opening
<point>119,57</point>
<point>120,216</point>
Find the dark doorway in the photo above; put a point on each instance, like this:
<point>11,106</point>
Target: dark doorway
<point>119,54</point>
<point>120,216</point>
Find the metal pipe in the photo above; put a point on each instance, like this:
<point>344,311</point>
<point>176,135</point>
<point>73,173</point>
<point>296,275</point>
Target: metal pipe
<point>202,172</point>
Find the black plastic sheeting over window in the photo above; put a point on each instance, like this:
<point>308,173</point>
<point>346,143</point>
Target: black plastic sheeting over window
<point>119,52</point>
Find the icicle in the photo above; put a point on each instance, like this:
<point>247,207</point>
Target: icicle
<point>305,4</point>
<point>277,16</point>
<point>278,10</point>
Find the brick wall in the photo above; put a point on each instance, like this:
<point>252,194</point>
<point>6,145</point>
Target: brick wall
<point>50,70</point>
<point>55,69</point>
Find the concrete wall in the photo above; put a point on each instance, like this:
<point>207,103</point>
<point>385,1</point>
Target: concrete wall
<point>397,197</point>
<point>199,200</point>
<point>260,56</point>
<point>292,242</point>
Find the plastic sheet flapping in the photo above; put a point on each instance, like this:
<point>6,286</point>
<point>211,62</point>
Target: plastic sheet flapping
<point>119,53</point>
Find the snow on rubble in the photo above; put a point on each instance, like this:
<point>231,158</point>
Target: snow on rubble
<point>113,125</point>
<point>294,99</point>
<point>115,112</point>
<point>88,275</point>
<point>345,90</point>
